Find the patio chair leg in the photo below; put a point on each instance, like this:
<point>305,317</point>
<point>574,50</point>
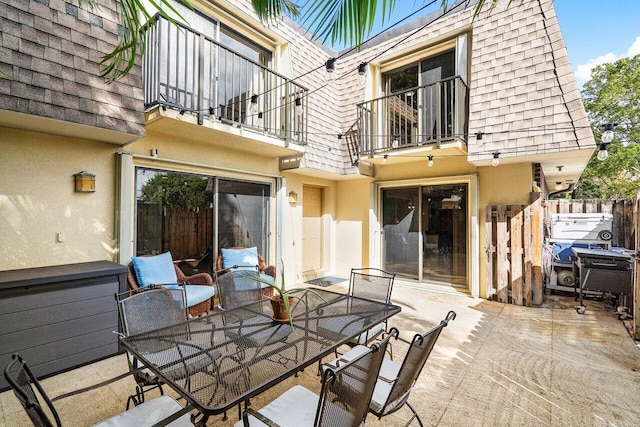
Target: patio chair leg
<point>415,415</point>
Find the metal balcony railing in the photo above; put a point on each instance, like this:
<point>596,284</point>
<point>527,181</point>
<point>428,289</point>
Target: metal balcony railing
<point>422,115</point>
<point>186,70</point>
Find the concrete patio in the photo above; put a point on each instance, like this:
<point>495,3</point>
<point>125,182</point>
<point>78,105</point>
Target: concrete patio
<point>494,365</point>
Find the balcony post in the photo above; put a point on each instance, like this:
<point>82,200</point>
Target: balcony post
<point>438,114</point>
<point>200,99</point>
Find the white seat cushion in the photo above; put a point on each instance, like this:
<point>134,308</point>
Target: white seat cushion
<point>344,325</point>
<point>295,407</point>
<point>367,336</point>
<point>165,357</point>
<point>388,371</point>
<point>256,331</point>
<point>148,414</point>
<point>195,294</point>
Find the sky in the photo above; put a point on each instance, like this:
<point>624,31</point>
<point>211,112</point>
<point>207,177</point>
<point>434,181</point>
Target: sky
<point>594,31</point>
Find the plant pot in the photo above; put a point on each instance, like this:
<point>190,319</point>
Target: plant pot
<point>280,313</point>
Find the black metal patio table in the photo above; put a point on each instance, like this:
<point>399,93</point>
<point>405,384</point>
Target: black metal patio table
<point>247,351</point>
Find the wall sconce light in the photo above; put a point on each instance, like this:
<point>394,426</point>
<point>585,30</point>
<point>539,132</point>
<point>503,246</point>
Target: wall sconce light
<point>293,198</point>
<point>84,182</point>
<point>362,73</point>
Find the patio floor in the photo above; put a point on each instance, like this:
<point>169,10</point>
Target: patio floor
<point>494,365</point>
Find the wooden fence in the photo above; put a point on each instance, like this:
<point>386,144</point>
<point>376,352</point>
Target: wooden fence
<point>515,235</point>
<point>514,253</point>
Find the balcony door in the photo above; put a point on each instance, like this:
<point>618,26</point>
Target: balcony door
<point>424,234</point>
<point>420,99</point>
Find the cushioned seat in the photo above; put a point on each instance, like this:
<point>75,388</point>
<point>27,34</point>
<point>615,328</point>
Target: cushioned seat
<point>145,271</point>
<point>149,413</point>
<point>240,258</point>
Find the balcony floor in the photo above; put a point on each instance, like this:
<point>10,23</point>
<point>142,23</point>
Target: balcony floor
<point>494,365</point>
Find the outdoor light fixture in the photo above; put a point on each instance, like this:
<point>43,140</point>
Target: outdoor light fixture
<point>362,73</point>
<point>84,182</point>
<point>607,135</point>
<point>298,106</point>
<point>384,159</point>
<point>254,104</point>
<point>603,153</point>
<point>606,138</point>
<point>395,141</point>
<point>331,68</point>
<point>558,185</point>
<point>211,111</point>
<point>496,159</point>
<point>260,116</point>
<point>479,136</point>
<point>293,198</point>
<point>430,161</point>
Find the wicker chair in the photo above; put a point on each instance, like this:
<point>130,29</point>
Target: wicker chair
<point>196,279</point>
<point>263,268</point>
<point>343,401</point>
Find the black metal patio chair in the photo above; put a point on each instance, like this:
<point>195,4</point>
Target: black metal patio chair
<point>395,381</point>
<point>26,388</point>
<point>154,309</point>
<point>343,400</point>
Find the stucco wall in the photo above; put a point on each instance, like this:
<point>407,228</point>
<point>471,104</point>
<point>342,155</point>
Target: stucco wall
<point>37,200</point>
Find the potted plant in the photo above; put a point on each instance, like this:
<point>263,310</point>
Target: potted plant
<point>283,299</point>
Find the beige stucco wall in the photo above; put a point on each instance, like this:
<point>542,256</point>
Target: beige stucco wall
<point>37,200</point>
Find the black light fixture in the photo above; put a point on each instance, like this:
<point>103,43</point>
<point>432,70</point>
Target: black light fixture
<point>211,111</point>
<point>84,182</point>
<point>330,66</point>
<point>496,159</point>
<point>384,159</point>
<point>479,136</point>
<point>602,152</point>
<point>298,106</point>
<point>253,108</point>
<point>362,73</point>
<point>430,161</point>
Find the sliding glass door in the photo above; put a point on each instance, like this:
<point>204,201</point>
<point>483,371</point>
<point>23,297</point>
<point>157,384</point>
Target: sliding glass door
<point>193,216</point>
<point>424,233</point>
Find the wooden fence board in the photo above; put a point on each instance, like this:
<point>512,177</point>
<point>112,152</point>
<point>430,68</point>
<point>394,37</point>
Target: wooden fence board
<point>536,259</point>
<point>502,241</point>
<point>516,256</point>
<point>490,251</point>
<point>528,256</point>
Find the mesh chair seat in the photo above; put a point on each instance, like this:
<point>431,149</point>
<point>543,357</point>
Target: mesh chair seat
<point>343,325</point>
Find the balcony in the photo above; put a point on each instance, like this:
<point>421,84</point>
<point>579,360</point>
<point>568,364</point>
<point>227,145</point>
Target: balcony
<point>188,71</point>
<point>430,114</point>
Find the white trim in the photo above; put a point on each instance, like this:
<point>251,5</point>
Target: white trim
<point>125,208</point>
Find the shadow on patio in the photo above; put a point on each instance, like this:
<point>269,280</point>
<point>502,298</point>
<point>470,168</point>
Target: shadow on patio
<point>494,365</point>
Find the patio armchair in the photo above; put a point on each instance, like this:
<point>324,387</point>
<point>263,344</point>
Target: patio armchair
<point>145,271</point>
<point>343,401</point>
<point>238,258</point>
<point>155,308</point>
<point>395,381</point>
<point>26,388</point>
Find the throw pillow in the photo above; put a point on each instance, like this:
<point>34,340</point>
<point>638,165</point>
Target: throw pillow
<point>154,270</point>
<point>244,259</point>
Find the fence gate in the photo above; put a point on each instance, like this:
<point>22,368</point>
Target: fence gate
<point>514,253</point>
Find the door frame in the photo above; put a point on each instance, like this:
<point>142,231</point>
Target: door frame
<point>473,226</point>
